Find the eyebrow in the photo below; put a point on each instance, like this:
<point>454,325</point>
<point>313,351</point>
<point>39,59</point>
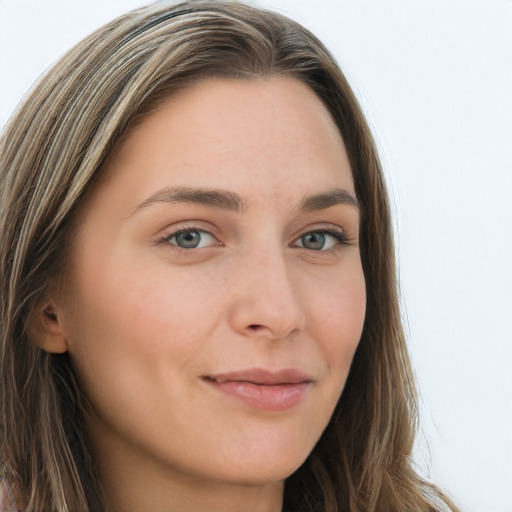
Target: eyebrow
<point>222,199</point>
<point>227,200</point>
<point>328,199</point>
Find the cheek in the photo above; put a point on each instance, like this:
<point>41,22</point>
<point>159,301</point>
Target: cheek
<point>136,344</point>
<point>337,320</point>
<point>130,320</point>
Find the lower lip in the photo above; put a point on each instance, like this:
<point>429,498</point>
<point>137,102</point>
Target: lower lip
<point>264,397</point>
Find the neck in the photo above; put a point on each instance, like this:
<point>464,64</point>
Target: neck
<point>179,496</point>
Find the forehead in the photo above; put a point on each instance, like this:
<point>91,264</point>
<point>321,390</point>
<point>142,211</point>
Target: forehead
<point>268,136</point>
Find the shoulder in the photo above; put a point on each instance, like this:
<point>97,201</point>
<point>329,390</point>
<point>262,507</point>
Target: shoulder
<point>7,502</point>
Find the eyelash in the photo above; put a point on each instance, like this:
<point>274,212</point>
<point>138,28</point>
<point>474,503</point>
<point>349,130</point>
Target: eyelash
<point>339,236</point>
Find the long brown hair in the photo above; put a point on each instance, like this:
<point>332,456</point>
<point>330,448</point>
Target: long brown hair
<point>50,154</point>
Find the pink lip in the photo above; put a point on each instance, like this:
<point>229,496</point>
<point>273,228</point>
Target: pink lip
<point>264,389</point>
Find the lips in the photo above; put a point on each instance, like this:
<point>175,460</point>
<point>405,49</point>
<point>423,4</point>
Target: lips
<point>263,389</point>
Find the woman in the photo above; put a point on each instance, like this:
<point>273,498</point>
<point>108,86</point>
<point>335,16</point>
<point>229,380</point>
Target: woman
<point>199,306</point>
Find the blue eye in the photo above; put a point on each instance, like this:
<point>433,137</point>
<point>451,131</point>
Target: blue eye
<point>321,240</point>
<point>191,239</point>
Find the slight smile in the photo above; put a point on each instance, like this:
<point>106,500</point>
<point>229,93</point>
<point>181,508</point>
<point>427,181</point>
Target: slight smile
<point>263,389</point>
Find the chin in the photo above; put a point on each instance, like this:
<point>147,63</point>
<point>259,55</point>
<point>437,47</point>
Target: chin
<point>263,468</point>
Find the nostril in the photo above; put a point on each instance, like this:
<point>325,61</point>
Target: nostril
<point>254,327</point>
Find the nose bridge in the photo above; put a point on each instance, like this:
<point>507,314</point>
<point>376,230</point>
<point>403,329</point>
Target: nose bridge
<point>267,300</point>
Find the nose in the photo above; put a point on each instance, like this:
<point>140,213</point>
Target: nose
<point>265,299</point>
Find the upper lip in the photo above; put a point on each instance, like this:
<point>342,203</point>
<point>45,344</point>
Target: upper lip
<point>263,376</point>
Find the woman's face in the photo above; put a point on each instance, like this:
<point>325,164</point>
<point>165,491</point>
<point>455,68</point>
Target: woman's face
<point>215,296</point>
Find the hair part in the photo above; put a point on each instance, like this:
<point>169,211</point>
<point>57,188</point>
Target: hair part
<point>52,153</point>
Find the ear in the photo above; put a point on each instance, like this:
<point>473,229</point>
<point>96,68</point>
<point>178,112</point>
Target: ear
<point>45,330</point>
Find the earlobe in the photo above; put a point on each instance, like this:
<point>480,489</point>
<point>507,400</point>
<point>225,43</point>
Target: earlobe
<point>45,330</point>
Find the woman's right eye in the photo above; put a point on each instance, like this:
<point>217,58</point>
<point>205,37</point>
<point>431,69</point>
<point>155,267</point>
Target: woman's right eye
<point>191,238</point>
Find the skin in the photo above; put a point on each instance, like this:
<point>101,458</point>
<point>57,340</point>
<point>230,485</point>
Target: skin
<point>145,321</point>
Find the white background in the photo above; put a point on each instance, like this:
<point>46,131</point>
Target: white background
<point>435,79</point>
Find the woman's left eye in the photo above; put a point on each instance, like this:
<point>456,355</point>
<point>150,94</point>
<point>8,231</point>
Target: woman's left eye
<point>191,239</point>
<point>321,240</point>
